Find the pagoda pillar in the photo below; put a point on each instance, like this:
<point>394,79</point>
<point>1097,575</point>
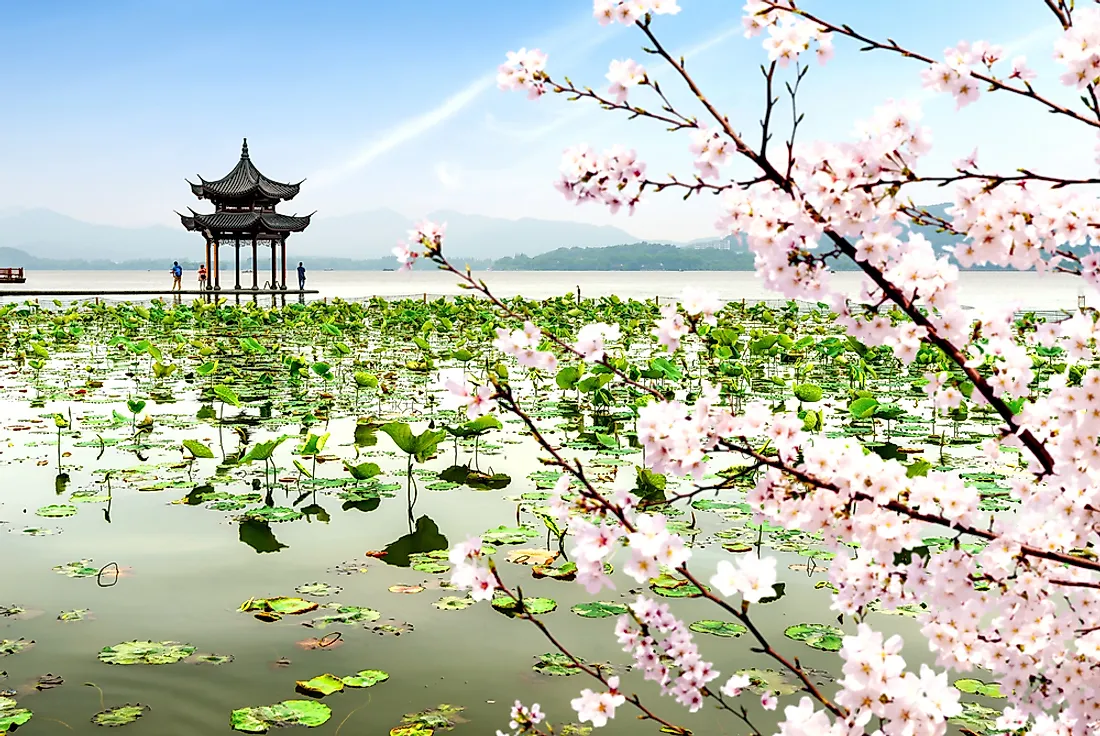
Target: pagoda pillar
<point>217,272</point>
<point>283,240</point>
<point>206,284</point>
<point>274,258</point>
<point>255,270</point>
<point>237,248</point>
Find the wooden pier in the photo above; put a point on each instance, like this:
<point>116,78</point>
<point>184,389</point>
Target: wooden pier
<point>155,292</point>
<point>12,276</point>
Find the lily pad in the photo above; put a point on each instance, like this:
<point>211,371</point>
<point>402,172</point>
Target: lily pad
<point>390,627</point>
<point>670,586</point>
<point>318,590</point>
<point>320,686</point>
<point>819,636</point>
<point>534,557</point>
<point>259,719</point>
<point>509,606</point>
<point>443,717</point>
<point>509,535</point>
<point>768,681</point>
<point>406,589</point>
<point>555,663</point>
<point>56,511</point>
<point>454,603</point>
<point>724,629</point>
<point>119,715</point>
<point>366,678</point>
<point>146,652</point>
<point>212,659</point>
<point>11,715</point>
<point>599,609</point>
<point>977,719</point>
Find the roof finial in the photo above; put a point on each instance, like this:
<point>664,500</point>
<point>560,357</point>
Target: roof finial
<point>244,149</point>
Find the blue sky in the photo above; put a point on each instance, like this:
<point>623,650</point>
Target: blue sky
<point>110,105</point>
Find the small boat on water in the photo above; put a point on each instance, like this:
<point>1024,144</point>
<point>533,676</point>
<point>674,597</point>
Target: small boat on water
<point>12,276</point>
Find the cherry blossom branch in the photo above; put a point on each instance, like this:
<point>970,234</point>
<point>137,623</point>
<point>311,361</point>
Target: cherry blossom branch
<point>673,119</point>
<point>892,46</point>
<point>1037,448</point>
<point>507,400</point>
<point>905,510</point>
<point>992,180</point>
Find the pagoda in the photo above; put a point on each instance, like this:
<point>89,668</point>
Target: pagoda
<point>244,210</point>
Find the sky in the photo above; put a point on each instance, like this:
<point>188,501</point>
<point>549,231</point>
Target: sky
<point>109,106</point>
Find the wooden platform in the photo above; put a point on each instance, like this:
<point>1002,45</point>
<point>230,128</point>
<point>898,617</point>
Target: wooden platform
<point>12,276</point>
<point>156,292</point>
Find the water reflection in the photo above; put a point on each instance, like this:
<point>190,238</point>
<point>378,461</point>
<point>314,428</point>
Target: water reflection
<point>258,536</point>
<point>424,538</point>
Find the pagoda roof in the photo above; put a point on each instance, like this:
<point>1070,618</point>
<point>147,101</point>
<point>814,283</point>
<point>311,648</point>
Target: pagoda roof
<point>244,222</point>
<point>244,182</point>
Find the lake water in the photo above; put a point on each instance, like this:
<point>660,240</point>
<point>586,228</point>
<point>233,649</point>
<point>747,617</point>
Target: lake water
<point>1052,291</point>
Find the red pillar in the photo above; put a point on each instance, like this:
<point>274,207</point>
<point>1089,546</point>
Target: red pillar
<point>209,275</point>
<point>255,268</point>
<point>217,272</point>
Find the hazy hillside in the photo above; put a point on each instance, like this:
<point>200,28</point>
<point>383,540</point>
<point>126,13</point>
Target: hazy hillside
<point>365,235</point>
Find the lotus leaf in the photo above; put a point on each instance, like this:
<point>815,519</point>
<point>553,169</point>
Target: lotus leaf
<point>11,715</point>
<point>768,681</point>
<point>599,609</point>
<point>556,663</point>
<point>718,628</point>
<point>259,719</point>
<point>671,586</point>
<point>819,636</point>
<point>272,609</point>
<point>78,614</point>
<point>366,678</point>
<point>406,589</point>
<point>119,715</point>
<point>391,627</point>
<point>146,652</point>
<point>509,535</point>
<point>212,658</point>
<point>442,717</point>
<point>268,513</point>
<point>568,571</point>
<point>14,646</point>
<point>318,590</point>
<point>343,615</point>
<point>977,719</point>
<point>509,606</point>
<point>56,511</point>
<point>977,687</point>
<point>454,603</point>
<point>320,686</point>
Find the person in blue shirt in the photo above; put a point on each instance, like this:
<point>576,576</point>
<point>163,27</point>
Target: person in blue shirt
<point>177,275</point>
<point>301,277</point>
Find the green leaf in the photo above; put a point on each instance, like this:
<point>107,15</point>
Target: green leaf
<point>207,368</point>
<point>227,395</point>
<point>977,687</point>
<point>808,392</point>
<point>724,629</point>
<point>135,405</point>
<point>198,449</point>
<point>818,636</point>
<point>366,678</point>
<point>146,652</point>
<point>402,436</point>
<point>309,713</point>
<point>363,471</point>
<point>320,686</point>
<point>12,716</point>
<point>863,408</point>
<point>120,715</point>
<point>567,377</point>
<point>365,380</point>
<point>599,609</point>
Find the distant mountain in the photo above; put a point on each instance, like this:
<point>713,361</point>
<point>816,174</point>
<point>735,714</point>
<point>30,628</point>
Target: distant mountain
<point>365,235</point>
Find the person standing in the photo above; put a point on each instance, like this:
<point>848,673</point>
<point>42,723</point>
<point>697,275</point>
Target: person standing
<point>301,277</point>
<point>202,276</point>
<point>177,276</point>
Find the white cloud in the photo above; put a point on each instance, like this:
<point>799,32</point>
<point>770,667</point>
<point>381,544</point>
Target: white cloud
<point>448,176</point>
<point>713,41</point>
<point>405,131</point>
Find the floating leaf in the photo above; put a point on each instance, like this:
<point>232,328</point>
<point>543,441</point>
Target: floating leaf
<point>120,715</point>
<point>320,686</point>
<point>406,589</point>
<point>366,678</point>
<point>198,449</point>
<point>56,511</point>
<point>271,513</point>
<point>443,717</point>
<point>537,557</point>
<point>78,614</point>
<point>308,713</point>
<point>454,603</point>
<point>509,606</point>
<point>146,652</point>
<point>14,646</point>
<point>272,609</point>
<point>718,628</point>
<point>391,627</point>
<point>344,615</point>
<point>768,681</point>
<point>671,586</point>
<point>11,715</point>
<point>318,590</point>
<point>599,609</point>
<point>214,659</point>
<point>819,636</point>
<point>555,663</point>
